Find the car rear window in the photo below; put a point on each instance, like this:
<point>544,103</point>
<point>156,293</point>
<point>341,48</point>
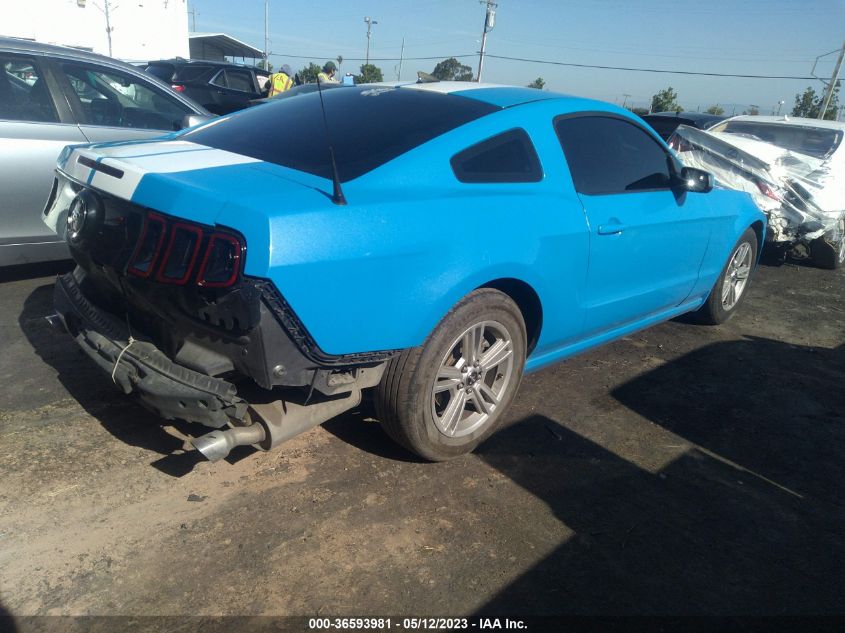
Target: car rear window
<point>190,72</point>
<point>162,71</point>
<point>368,127</point>
<point>813,141</point>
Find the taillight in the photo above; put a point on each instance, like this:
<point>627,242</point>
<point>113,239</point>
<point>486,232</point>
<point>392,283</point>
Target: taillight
<point>221,263</point>
<point>143,259</point>
<point>178,87</point>
<point>767,191</point>
<point>181,253</point>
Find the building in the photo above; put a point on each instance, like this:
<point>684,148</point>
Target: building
<point>132,30</point>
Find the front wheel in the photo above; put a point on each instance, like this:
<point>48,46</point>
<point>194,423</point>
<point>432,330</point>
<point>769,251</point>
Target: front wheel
<point>442,399</point>
<point>729,289</point>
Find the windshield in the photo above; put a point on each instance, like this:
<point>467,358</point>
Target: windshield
<point>812,141</point>
<point>369,126</point>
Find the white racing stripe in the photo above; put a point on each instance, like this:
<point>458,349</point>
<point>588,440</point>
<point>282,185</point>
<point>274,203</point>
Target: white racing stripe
<point>137,160</point>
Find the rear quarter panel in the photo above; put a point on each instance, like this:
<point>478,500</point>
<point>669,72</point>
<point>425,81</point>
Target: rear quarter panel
<point>381,272</point>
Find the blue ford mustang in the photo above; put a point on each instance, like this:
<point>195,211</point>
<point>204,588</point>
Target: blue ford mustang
<point>428,242</point>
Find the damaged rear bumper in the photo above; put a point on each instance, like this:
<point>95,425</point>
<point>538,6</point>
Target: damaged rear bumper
<point>166,388</point>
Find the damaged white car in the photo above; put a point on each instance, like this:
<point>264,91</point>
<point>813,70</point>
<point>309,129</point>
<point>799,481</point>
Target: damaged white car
<point>794,169</point>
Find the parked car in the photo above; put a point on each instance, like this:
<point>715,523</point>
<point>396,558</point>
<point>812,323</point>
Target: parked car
<point>451,237</point>
<point>220,87</point>
<point>50,97</point>
<point>795,170</point>
<point>665,123</point>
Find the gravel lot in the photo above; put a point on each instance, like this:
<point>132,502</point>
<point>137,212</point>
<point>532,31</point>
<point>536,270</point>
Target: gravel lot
<point>683,470</point>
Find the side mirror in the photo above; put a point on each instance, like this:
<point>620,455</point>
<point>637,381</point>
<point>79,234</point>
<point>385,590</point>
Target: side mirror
<point>190,120</point>
<point>696,180</point>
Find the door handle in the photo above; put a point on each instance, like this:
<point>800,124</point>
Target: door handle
<point>613,228</point>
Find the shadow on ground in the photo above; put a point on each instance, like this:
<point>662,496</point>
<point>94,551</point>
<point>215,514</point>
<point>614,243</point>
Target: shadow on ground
<point>751,521</point>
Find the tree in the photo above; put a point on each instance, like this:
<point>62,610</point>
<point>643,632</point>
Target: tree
<point>308,75</point>
<point>715,109</point>
<point>809,104</point>
<point>665,101</point>
<point>638,110</point>
<point>537,83</point>
<point>265,65</point>
<point>370,73</point>
<point>753,110</point>
<point>452,70</point>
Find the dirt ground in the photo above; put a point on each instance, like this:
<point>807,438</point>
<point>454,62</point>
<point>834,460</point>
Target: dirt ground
<point>683,470</point>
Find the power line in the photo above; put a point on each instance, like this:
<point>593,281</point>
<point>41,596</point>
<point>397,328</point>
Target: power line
<point>645,70</point>
<point>557,63</point>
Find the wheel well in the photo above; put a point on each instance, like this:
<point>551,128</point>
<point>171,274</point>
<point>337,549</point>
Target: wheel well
<point>527,301</point>
<point>758,230</point>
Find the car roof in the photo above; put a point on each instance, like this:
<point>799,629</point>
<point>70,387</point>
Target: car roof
<point>203,62</point>
<point>790,120</point>
<point>15,44</point>
<point>692,116</point>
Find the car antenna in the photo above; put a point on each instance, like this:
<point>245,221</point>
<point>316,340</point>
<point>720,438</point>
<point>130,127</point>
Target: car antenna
<point>337,195</point>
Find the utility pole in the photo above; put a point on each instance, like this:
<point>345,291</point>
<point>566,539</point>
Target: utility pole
<point>106,12</point>
<point>266,31</point>
<point>369,21</point>
<point>625,101</point>
<point>489,23</point>
<point>193,13</point>
<point>780,103</point>
<point>834,78</point>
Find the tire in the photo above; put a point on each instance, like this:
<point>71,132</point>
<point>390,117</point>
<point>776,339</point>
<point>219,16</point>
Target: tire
<point>827,252</point>
<point>734,278</point>
<point>450,422</point>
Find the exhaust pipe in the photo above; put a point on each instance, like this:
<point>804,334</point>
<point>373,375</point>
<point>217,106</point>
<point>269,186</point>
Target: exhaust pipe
<point>217,444</point>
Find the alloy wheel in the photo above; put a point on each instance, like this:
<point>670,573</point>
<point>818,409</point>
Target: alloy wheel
<point>736,276</point>
<point>473,377</point>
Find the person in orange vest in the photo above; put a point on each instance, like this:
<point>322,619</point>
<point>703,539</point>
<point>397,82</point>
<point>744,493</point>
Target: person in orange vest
<point>280,81</point>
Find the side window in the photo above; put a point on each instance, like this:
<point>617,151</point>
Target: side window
<point>239,80</point>
<point>506,157</point>
<point>24,95</point>
<point>608,155</point>
<point>117,99</point>
<point>219,79</point>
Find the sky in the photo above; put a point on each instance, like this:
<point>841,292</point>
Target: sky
<point>750,37</point>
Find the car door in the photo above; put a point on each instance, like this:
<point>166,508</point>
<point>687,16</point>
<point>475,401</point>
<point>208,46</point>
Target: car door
<point>114,105</point>
<point>35,124</point>
<point>235,88</point>
<point>647,241</point>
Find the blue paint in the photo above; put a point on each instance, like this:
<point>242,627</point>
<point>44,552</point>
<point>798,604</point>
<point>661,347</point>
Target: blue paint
<point>382,271</point>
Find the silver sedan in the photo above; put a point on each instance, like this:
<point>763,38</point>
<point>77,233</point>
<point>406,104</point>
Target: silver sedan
<point>50,97</point>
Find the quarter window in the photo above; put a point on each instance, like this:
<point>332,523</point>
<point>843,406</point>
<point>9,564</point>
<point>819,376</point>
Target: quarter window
<point>24,95</point>
<point>608,155</point>
<point>507,157</point>
<point>239,80</point>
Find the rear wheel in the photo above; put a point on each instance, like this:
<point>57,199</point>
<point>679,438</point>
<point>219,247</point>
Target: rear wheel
<point>442,399</point>
<point>828,251</point>
<point>729,289</point>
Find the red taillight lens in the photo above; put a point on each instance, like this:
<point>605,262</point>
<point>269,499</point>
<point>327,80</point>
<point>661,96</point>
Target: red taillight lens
<point>221,263</point>
<point>143,259</point>
<point>178,88</point>
<point>767,191</point>
<point>181,253</point>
